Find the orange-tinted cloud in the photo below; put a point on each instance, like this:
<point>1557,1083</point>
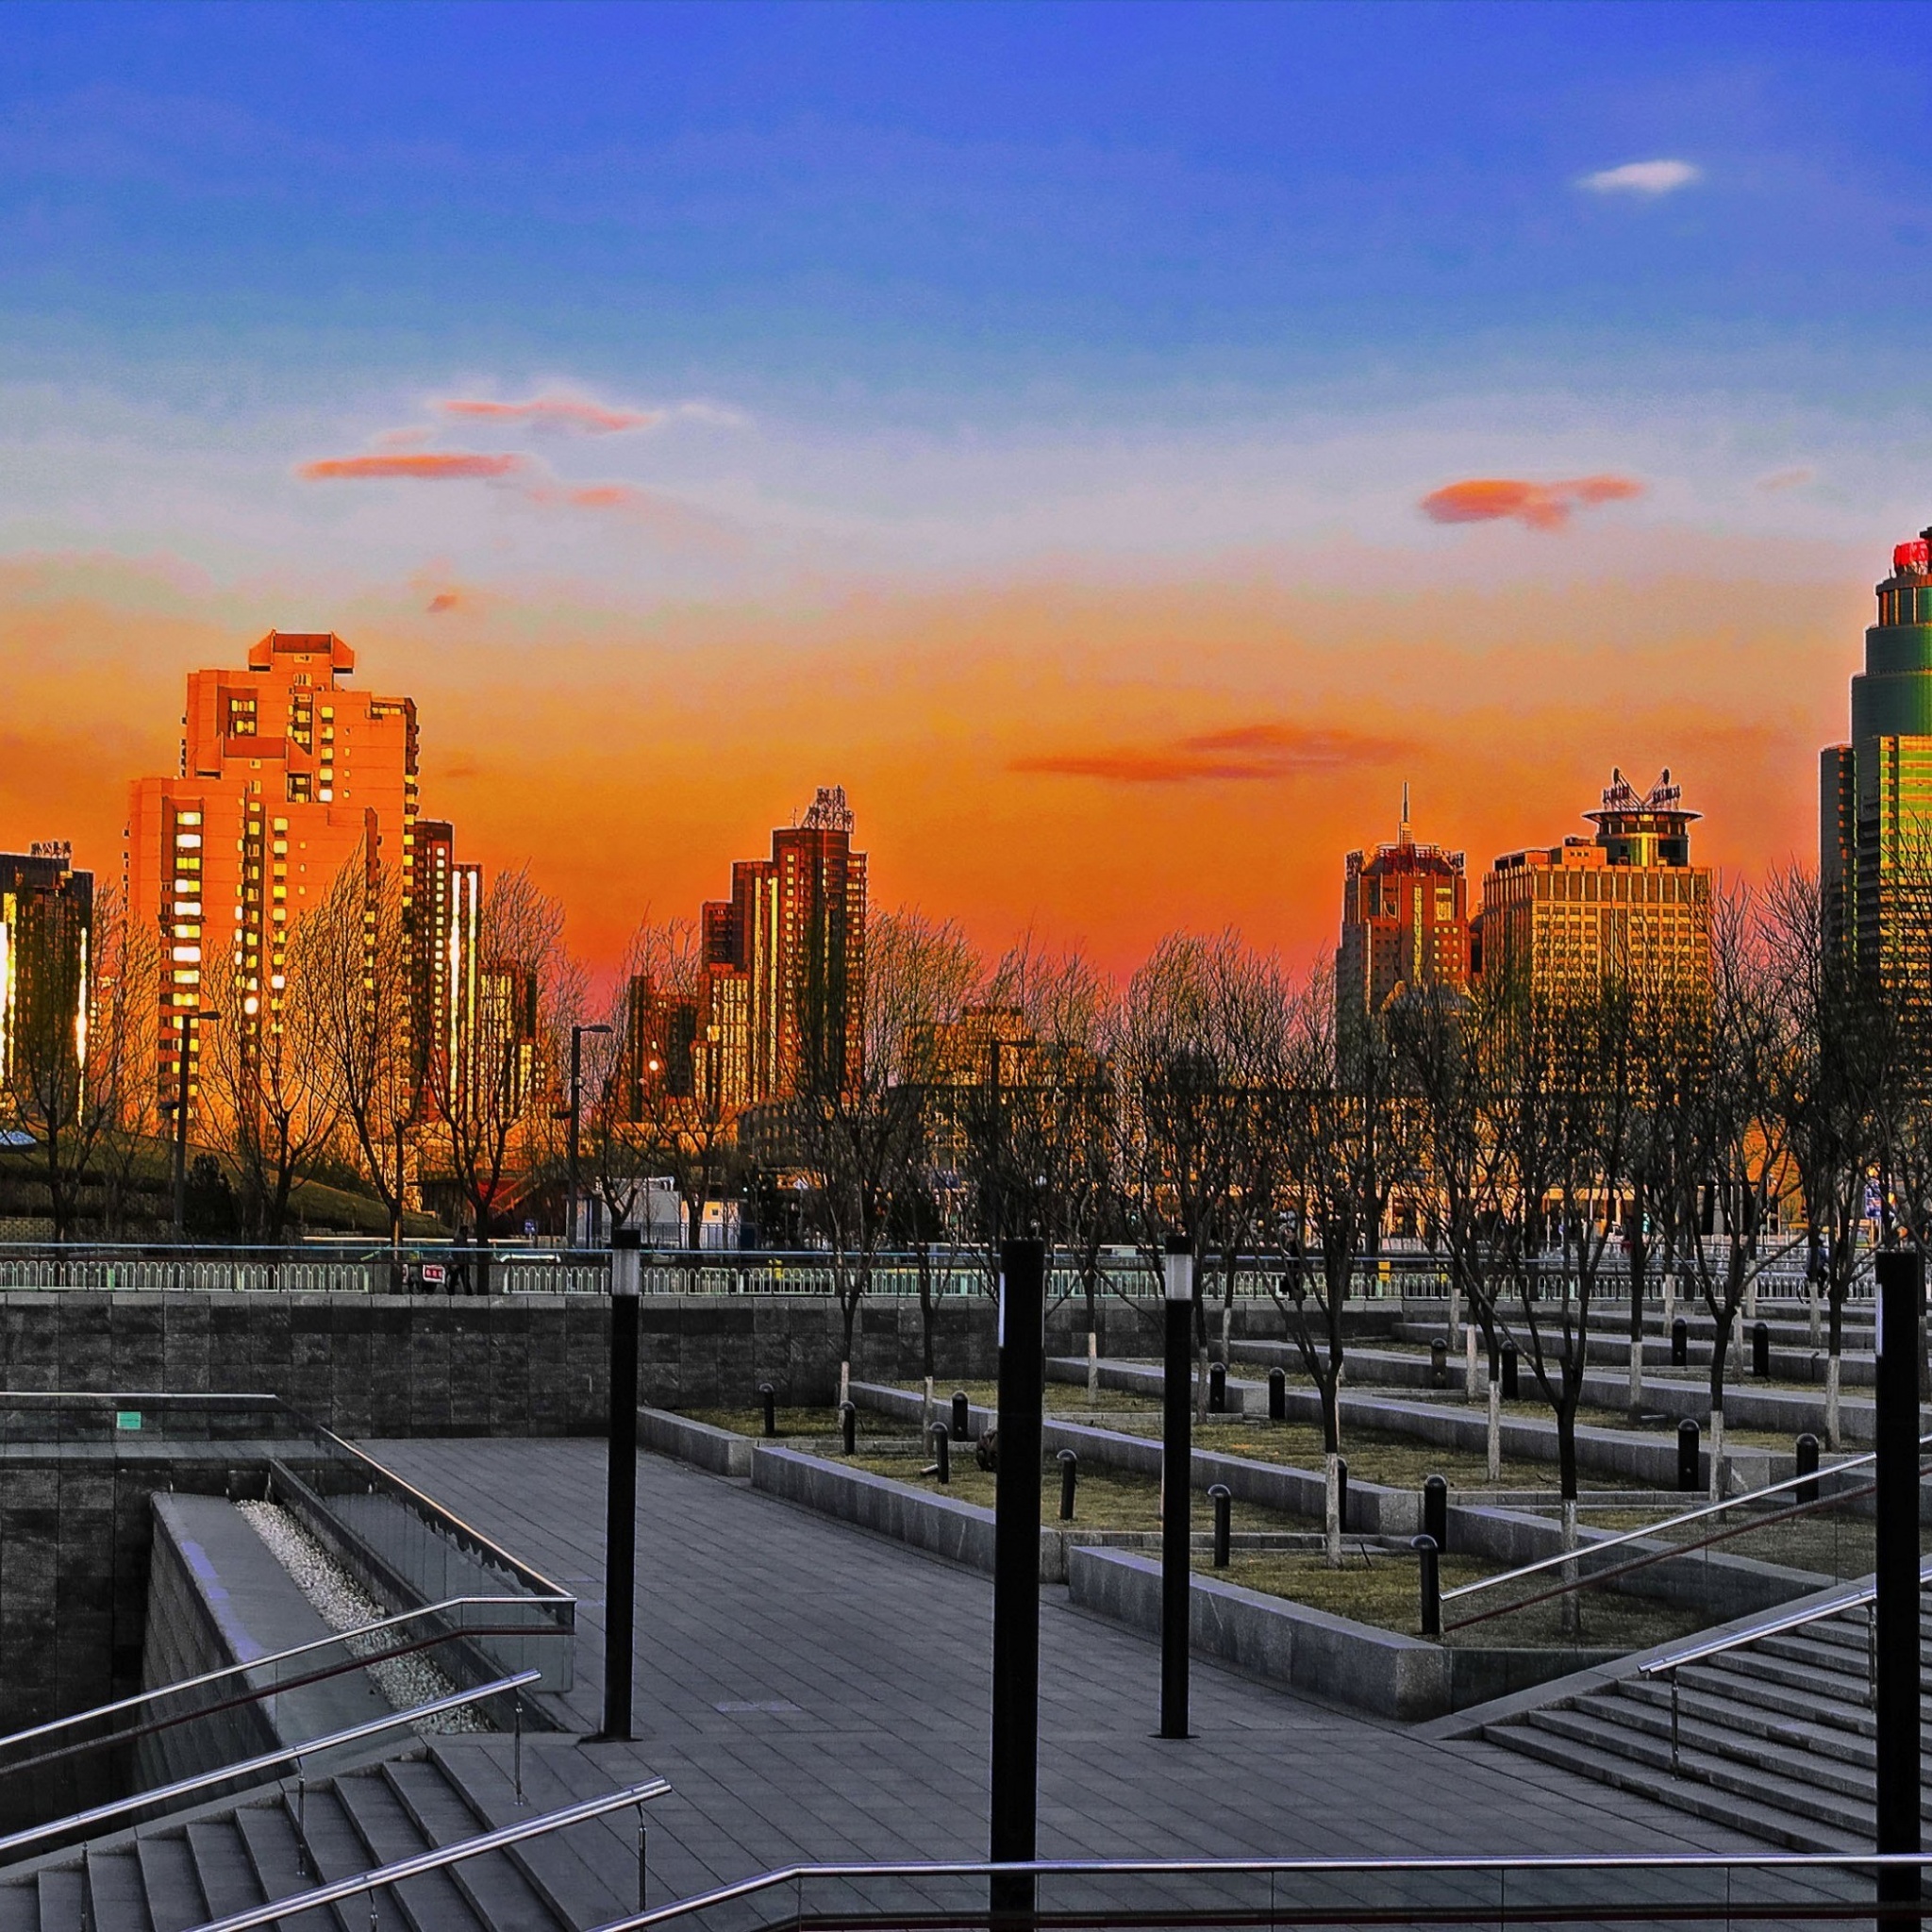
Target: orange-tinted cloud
<point>666,518</point>
<point>444,600</point>
<point>1536,506</point>
<point>1243,753</point>
<point>424,466</point>
<point>564,413</point>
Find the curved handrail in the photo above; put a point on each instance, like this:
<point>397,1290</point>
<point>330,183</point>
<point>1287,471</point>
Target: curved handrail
<point>1262,1868</point>
<point>226,1774</point>
<point>1598,1545</point>
<point>395,1873</point>
<point>1856,1598</point>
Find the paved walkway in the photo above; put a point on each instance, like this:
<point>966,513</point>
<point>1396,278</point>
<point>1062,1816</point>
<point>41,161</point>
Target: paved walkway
<point>814,1692</point>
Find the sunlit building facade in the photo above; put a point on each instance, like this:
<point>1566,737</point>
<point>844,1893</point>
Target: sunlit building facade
<point>46,932</point>
<point>285,777</point>
<point>1875,817</point>
<point>1627,903</point>
<point>1405,922</point>
<point>785,961</point>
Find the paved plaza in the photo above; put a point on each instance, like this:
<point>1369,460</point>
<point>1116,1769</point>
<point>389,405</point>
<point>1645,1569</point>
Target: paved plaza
<point>814,1692</point>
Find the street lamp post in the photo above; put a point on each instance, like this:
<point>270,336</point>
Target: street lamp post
<point>621,1494</point>
<point>576,1087</point>
<point>187,1019</point>
<point>1177,1480</point>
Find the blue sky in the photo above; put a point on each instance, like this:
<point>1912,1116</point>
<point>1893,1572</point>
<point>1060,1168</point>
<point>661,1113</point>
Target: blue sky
<point>940,302</point>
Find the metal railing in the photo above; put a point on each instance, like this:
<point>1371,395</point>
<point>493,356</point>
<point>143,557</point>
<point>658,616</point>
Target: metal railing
<point>1707,1887</point>
<point>441,1859</point>
<point>266,1762</point>
<point>1861,1596</point>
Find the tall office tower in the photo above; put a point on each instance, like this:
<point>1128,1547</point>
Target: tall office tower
<point>445,945</point>
<point>47,932</point>
<point>1627,902</point>
<point>785,961</point>
<point>1405,922</point>
<point>286,776</point>
<point>1875,814</point>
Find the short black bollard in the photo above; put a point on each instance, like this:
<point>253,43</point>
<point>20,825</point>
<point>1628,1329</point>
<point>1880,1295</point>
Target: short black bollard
<point>1217,1389</point>
<point>962,1416</point>
<point>1680,1343</point>
<point>1223,1499</point>
<point>1760,1351</point>
<point>848,1424</point>
<point>1425,1547</point>
<point>1342,1492</point>
<point>1513,1382</point>
<point>1278,1395</point>
<point>1070,1478</point>
<point>1436,1512</point>
<point>769,1396</point>
<point>1439,1363</point>
<point>942,1452</point>
<point>1807,1465</point>
<point>1688,1437</point>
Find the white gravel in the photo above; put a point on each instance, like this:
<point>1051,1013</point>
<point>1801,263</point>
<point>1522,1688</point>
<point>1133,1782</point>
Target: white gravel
<point>405,1681</point>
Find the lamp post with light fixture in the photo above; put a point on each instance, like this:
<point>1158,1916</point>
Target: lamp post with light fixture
<point>187,1021</point>
<point>1177,1478</point>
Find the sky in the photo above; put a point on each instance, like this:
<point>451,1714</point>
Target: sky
<point>1121,444</point>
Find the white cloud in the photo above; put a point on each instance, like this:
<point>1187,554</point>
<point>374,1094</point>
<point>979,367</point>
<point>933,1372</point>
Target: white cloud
<point>1641,177</point>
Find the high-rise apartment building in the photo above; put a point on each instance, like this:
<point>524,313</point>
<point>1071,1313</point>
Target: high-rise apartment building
<point>445,960</point>
<point>1405,922</point>
<point>1875,817</point>
<point>785,961</point>
<point>285,777</point>
<point>46,930</point>
<point>1628,901</point>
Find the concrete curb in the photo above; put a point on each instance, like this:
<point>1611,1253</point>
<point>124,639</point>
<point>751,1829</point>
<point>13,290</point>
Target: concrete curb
<point>724,1452</point>
<point>958,1532</point>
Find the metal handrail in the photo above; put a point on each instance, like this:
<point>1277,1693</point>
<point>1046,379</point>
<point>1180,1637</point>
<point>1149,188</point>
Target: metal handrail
<point>1323,1868</point>
<point>1856,1598</point>
<point>437,1860</point>
<point>1633,1536</point>
<point>279,1656</point>
<point>542,1588</point>
<point>120,1807</point>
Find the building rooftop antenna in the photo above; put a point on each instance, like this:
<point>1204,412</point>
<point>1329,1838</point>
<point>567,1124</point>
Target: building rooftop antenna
<point>1401,837</point>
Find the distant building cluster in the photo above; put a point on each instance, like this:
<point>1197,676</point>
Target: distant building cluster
<point>46,918</point>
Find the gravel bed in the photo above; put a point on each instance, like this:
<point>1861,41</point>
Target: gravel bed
<point>345,1605</point>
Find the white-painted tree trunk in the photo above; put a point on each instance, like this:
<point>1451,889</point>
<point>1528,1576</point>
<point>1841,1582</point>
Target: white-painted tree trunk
<point>1331,1511</point>
<point>1670,1302</point>
<point>1092,1370</point>
<point>1495,1440</point>
<point>1813,1312</point>
<point>844,1383</point>
<point>1717,1454</point>
<point>1832,1438</point>
<point>1469,1339</point>
<point>1751,1299</point>
<point>1572,1603</point>
<point>929,1415</point>
<point>1637,1372</point>
<point>1226,1331</point>
<point>1454,1315</point>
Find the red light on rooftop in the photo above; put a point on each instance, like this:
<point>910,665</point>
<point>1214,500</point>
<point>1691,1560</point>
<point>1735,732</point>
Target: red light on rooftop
<point>1917,554</point>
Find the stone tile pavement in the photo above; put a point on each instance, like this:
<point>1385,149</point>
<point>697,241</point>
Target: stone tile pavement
<point>815,1693</point>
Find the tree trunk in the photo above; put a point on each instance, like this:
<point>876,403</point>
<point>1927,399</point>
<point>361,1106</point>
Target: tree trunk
<point>1571,1601</point>
<point>1495,1432</point>
<point>1092,1368</point>
<point>1331,1510</point>
<point>1468,1370</point>
<point>1833,1363</point>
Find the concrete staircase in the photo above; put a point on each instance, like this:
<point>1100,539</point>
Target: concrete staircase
<point>182,1873</point>
<point>1775,1738</point>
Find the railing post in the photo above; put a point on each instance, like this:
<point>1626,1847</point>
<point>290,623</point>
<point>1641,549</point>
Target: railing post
<point>1278,1395</point>
<point>769,1397</point>
<point>517,1746</point>
<point>642,1866</point>
<point>1689,1434</point>
<point>1807,1465</point>
<point>1070,1477</point>
<point>1436,1511</point>
<point>848,1428</point>
<point>1674,1724</point>
<point>620,1499</point>
<point>962,1415</point>
<point>1680,1343</point>
<point>942,1452</point>
<point>1431,1581</point>
<point>1223,1499</point>
<point>1760,1351</point>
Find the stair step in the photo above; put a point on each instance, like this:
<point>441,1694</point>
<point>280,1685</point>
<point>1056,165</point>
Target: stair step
<point>117,1901</point>
<point>1828,1739</point>
<point>268,1834</point>
<point>20,1909</point>
<point>1825,1810</point>
<point>1790,1701</point>
<point>497,1891</point>
<point>175,1898</point>
<point>1755,1819</point>
<point>573,1891</point>
<point>1718,1739</point>
<point>221,1867</point>
<point>61,1901</point>
<point>430,1903</point>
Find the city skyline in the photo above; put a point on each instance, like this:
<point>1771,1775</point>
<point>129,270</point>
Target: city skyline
<point>1119,495</point>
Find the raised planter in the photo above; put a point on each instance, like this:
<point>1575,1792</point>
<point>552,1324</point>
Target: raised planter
<point>724,1452</point>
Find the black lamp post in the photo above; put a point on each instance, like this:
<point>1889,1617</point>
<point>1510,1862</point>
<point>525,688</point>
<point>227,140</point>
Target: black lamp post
<point>621,1500</point>
<point>1895,1701</point>
<point>187,1021</point>
<point>1176,1479</point>
<point>576,1089</point>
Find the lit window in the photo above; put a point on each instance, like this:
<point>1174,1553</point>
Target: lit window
<point>187,841</point>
